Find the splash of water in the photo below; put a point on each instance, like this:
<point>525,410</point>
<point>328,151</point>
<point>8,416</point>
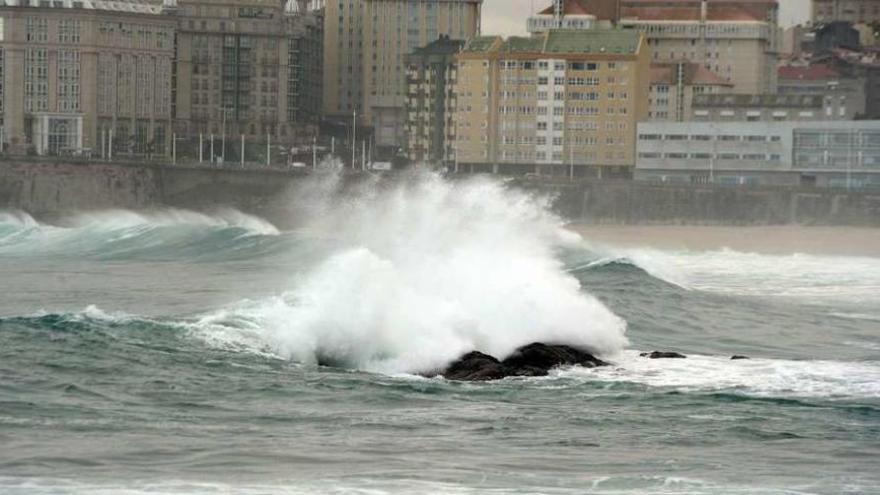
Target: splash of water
<point>426,270</point>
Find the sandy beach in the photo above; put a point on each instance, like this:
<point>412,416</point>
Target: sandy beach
<point>839,241</point>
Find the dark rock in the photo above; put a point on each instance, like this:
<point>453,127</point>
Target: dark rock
<point>531,360</point>
<point>544,357</point>
<point>475,366</point>
<point>737,356</point>
<point>662,355</point>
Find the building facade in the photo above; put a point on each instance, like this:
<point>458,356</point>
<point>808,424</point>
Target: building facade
<point>844,98</point>
<point>248,67</point>
<point>854,11</point>
<point>564,102</point>
<point>366,42</point>
<point>674,86</point>
<point>824,154</point>
<point>736,40</point>
<point>756,108</point>
<point>431,73</point>
<point>78,77</point>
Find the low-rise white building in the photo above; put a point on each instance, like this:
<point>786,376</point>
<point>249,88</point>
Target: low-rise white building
<point>824,154</point>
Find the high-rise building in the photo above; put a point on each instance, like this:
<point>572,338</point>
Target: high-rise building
<point>365,42</point>
<point>674,86</point>
<point>562,102</point>
<point>430,105</point>
<point>855,11</point>
<point>736,39</point>
<point>248,67</point>
<point>72,71</point>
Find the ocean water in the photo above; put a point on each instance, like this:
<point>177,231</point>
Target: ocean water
<point>171,351</point>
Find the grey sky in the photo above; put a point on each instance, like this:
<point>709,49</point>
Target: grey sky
<point>509,16</point>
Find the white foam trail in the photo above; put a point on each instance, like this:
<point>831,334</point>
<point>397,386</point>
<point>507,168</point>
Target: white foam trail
<point>757,377</point>
<point>169,217</point>
<point>854,279</point>
<point>17,218</point>
<point>429,270</point>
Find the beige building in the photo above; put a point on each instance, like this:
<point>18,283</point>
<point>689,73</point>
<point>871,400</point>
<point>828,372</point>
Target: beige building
<point>561,102</point>
<point>248,67</point>
<point>72,71</point>
<point>674,85</point>
<point>430,106</point>
<point>365,42</point>
<point>735,39</point>
<point>855,11</point>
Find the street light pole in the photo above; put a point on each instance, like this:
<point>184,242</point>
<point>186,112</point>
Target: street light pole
<point>353,135</point>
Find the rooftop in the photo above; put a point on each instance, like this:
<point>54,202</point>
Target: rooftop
<point>694,74</point>
<point>691,10</point>
<point>569,7</point>
<point>570,41</point>
<point>818,72</point>
<point>441,46</point>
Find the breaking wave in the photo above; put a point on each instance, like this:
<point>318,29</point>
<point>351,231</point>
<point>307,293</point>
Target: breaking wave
<point>111,234</point>
<point>425,271</point>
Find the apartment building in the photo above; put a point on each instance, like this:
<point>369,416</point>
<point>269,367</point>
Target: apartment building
<point>823,154</point>
<point>674,86</point>
<point>756,108</point>
<point>562,102</point>
<point>431,73</point>
<point>366,42</point>
<point>248,67</point>
<point>736,40</point>
<point>843,97</point>
<point>854,11</point>
<point>72,71</point>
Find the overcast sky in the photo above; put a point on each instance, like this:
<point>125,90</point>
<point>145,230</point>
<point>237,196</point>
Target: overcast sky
<point>509,16</point>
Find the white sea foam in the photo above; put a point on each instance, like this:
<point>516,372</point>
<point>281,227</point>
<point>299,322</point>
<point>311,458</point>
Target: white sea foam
<point>170,217</point>
<point>855,279</point>
<point>601,485</point>
<point>427,270</point>
<point>756,377</point>
<point>17,218</point>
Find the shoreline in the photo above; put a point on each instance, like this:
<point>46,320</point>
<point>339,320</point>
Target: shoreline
<point>777,240</point>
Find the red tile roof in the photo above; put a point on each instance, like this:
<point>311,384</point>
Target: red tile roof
<point>808,73</point>
<point>689,10</point>
<point>693,74</point>
<point>569,7</point>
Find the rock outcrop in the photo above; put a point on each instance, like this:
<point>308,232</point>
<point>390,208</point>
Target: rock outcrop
<point>535,359</point>
<point>662,355</point>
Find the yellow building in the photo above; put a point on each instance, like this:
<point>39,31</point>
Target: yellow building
<point>562,102</point>
<point>365,45</point>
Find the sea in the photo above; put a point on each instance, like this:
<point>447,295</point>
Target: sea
<point>170,351</point>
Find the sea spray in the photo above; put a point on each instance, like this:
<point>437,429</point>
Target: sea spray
<point>426,269</point>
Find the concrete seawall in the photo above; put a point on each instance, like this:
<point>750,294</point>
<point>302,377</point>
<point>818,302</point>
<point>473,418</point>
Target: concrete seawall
<point>50,189</point>
<point>628,202</point>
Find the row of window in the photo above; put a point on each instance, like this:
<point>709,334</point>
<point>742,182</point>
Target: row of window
<point>558,65</point>
<point>773,157</point>
<point>752,138</point>
<point>558,111</point>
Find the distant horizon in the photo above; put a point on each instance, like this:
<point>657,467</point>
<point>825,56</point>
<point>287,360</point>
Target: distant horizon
<point>508,17</point>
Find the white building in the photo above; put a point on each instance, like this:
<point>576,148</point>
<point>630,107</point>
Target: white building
<point>826,154</point>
